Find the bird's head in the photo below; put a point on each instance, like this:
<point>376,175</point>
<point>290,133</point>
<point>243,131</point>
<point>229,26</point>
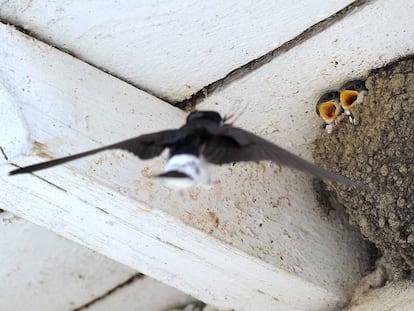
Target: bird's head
<point>356,85</point>
<point>206,115</point>
<point>352,93</point>
<point>328,107</point>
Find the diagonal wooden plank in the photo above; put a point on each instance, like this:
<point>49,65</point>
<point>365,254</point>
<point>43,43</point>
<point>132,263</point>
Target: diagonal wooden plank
<point>280,97</point>
<point>155,243</point>
<point>142,294</point>
<point>260,237</point>
<point>171,48</point>
<point>36,262</point>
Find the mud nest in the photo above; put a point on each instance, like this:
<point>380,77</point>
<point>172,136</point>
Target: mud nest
<point>378,150</point>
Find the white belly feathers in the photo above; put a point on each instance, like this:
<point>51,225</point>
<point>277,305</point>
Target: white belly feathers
<point>195,168</point>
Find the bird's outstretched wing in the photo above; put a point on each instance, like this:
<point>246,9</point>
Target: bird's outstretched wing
<point>232,144</point>
<point>145,147</point>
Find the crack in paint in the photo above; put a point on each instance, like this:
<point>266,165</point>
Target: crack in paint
<point>240,72</point>
<point>266,294</point>
<point>236,74</point>
<point>43,179</point>
<point>196,305</point>
<point>170,244</point>
<point>50,183</point>
<point>33,36</point>
<point>127,282</point>
<point>3,153</point>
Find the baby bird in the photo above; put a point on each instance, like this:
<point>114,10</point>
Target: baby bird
<point>329,109</point>
<point>351,94</point>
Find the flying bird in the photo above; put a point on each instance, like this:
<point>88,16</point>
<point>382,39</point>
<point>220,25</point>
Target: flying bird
<point>205,137</point>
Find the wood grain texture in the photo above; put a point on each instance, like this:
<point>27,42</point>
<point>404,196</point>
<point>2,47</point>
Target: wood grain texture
<point>36,265</point>
<point>144,294</point>
<point>256,235</point>
<point>170,48</point>
<point>155,243</point>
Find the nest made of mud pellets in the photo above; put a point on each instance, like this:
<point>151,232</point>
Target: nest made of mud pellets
<point>379,150</point>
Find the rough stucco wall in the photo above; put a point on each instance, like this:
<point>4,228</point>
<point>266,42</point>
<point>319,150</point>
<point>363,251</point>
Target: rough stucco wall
<point>379,150</point>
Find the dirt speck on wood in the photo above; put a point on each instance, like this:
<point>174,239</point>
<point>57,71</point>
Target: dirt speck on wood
<point>378,150</point>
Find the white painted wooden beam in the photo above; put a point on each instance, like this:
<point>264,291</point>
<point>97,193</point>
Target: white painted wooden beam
<point>280,97</point>
<point>157,244</point>
<point>172,48</point>
<point>144,294</point>
<point>37,264</point>
<point>259,242</point>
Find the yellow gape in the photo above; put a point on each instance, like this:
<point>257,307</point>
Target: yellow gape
<point>329,111</point>
<point>348,98</point>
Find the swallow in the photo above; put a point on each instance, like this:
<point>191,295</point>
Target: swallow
<point>204,138</point>
<point>351,94</point>
<point>329,109</point>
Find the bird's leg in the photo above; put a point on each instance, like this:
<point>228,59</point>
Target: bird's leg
<point>329,128</point>
<point>351,118</point>
<point>339,118</point>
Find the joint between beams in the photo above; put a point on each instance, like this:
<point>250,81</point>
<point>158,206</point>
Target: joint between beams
<point>33,36</point>
<point>3,153</point>
<point>236,74</point>
<point>127,282</point>
<point>240,72</point>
